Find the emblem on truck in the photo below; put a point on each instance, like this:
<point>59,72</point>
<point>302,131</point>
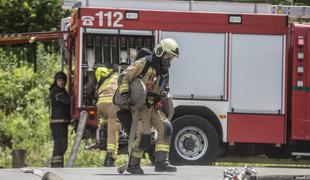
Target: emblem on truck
<point>109,19</point>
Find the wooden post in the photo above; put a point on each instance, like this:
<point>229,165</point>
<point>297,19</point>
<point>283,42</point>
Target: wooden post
<point>19,158</point>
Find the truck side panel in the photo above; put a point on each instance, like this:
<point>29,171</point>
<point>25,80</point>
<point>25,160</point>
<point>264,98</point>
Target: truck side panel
<point>256,128</point>
<point>201,66</point>
<point>257,89</point>
<point>257,65</point>
<point>300,112</point>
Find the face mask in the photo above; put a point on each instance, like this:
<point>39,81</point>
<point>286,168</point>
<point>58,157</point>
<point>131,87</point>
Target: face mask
<point>166,62</point>
<point>165,65</point>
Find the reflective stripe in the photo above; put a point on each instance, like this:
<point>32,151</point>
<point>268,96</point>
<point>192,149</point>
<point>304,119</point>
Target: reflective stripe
<point>111,146</point>
<point>137,154</point>
<point>57,159</point>
<point>105,99</point>
<point>57,95</point>
<point>296,88</point>
<point>162,147</point>
<point>59,120</point>
<point>103,121</point>
<point>123,88</point>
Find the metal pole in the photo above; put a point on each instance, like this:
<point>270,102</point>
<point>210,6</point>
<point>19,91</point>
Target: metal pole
<point>190,5</point>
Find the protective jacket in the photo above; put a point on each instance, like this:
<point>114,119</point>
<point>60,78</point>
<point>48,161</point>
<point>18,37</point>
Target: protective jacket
<point>155,82</point>
<point>60,103</point>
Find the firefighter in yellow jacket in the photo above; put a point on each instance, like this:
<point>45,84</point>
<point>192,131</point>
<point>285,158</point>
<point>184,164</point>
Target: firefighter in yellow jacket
<point>151,114</point>
<point>107,84</point>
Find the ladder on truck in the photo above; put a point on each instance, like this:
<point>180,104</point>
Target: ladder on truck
<point>292,11</point>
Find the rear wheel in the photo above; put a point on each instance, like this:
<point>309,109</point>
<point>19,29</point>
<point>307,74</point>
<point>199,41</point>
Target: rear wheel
<point>195,141</point>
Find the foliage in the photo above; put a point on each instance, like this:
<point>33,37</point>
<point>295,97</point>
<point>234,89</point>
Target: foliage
<point>24,112</point>
<point>20,16</point>
<point>30,15</point>
<point>302,2</point>
<point>275,2</point>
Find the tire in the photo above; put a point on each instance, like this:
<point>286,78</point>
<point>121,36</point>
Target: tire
<point>194,142</point>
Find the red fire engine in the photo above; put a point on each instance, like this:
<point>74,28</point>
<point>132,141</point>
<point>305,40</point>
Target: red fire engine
<point>241,77</point>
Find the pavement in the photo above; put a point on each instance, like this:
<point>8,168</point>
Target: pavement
<point>184,173</point>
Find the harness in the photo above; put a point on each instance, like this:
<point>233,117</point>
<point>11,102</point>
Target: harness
<point>102,79</point>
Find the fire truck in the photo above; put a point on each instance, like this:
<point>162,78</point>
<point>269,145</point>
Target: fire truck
<point>242,76</point>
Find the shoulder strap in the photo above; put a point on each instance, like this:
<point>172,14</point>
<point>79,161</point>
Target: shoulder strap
<point>147,65</point>
<point>104,79</point>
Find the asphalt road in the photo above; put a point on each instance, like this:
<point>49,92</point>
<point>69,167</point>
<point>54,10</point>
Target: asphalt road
<point>184,173</point>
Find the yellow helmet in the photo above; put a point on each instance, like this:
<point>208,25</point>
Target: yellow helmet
<point>167,45</point>
<point>102,72</point>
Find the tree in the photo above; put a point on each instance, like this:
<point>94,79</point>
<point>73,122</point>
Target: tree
<point>19,16</point>
<point>275,2</point>
<point>30,15</point>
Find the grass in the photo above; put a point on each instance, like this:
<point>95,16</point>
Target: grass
<point>262,161</point>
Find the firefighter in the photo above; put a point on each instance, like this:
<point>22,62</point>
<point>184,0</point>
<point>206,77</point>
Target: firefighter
<point>124,115</point>
<point>143,52</point>
<point>60,118</point>
<point>151,113</point>
<point>107,84</point>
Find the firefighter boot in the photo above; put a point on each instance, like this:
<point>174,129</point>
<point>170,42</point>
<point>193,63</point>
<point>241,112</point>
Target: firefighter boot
<point>109,160</point>
<point>57,162</point>
<point>162,164</point>
<point>134,166</point>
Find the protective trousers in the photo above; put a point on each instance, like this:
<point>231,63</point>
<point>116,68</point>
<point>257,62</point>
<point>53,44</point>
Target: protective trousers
<point>60,138</point>
<point>147,118</point>
<point>107,110</point>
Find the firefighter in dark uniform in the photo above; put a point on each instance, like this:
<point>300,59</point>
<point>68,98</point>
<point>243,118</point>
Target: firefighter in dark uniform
<point>60,118</point>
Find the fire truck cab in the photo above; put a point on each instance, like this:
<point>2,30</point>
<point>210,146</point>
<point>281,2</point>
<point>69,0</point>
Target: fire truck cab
<point>240,78</point>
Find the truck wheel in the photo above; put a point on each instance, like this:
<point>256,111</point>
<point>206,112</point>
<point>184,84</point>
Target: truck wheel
<point>195,141</point>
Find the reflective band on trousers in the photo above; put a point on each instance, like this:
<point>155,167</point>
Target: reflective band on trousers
<point>59,120</point>
<point>57,159</point>
<point>111,146</point>
<point>162,147</point>
<point>103,121</point>
<point>136,154</point>
<point>114,147</point>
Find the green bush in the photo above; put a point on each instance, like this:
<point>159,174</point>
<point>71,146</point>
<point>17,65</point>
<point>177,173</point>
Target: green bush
<point>24,111</point>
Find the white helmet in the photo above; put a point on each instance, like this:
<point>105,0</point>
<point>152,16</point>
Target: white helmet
<point>167,45</point>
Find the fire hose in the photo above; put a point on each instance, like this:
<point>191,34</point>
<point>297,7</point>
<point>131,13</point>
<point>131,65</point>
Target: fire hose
<point>78,138</point>
<point>138,93</point>
<point>249,173</point>
<point>44,175</point>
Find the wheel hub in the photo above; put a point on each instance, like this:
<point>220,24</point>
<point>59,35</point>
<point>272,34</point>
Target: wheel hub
<point>191,143</point>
